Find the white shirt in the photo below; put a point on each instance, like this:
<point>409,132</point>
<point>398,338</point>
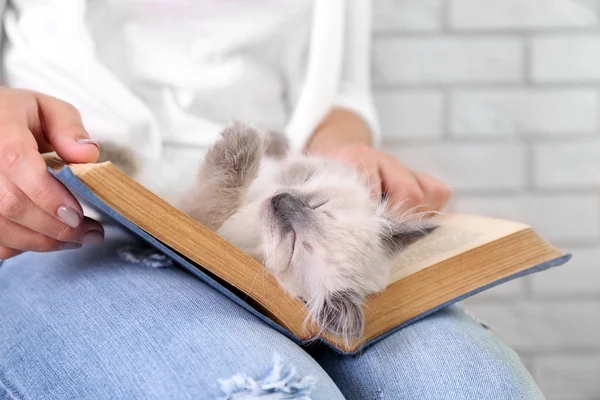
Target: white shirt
<point>165,76</point>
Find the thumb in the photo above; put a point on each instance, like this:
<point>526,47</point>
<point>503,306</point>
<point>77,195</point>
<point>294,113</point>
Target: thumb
<point>63,129</point>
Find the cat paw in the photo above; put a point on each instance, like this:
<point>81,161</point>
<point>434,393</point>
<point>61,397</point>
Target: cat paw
<point>236,155</point>
<point>341,314</point>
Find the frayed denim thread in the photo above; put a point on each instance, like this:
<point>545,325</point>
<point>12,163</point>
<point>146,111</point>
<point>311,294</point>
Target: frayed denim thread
<point>148,257</point>
<point>279,383</point>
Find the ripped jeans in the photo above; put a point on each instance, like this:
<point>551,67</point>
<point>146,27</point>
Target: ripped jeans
<point>86,324</point>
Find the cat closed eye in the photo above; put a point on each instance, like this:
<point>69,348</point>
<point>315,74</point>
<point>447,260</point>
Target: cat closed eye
<point>297,174</point>
<point>314,205</point>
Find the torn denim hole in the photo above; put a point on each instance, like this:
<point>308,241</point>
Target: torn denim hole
<point>475,318</point>
<point>279,383</point>
<point>145,256</point>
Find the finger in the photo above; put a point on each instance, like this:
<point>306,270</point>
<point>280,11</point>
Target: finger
<point>401,185</point>
<point>6,253</point>
<point>17,207</point>
<point>25,239</point>
<point>25,168</point>
<point>436,193</point>
<point>19,111</point>
<point>63,129</point>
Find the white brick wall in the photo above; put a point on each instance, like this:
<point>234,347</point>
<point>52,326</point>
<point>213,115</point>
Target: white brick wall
<point>500,112</point>
<point>569,377</point>
<point>561,218</point>
<point>486,15</point>
<point>501,99</point>
<point>410,114</point>
<point>407,15</point>
<point>567,164</point>
<point>422,60</point>
<point>559,282</point>
<point>468,166</point>
<point>542,326</point>
<point>565,57</point>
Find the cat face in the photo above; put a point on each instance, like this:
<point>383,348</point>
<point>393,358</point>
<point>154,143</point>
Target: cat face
<point>328,241</point>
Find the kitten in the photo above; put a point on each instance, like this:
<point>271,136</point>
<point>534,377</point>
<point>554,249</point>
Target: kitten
<point>310,221</point>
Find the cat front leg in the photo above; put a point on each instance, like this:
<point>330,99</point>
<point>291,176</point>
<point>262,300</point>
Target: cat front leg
<point>229,168</point>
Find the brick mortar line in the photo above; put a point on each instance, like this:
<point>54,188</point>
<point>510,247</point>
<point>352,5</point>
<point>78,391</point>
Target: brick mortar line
<point>558,192</point>
<point>536,139</point>
<point>433,140</point>
<point>598,114</point>
<point>444,17</point>
<point>576,190</point>
<point>581,247</point>
<point>452,32</point>
<point>566,243</point>
<point>562,351</point>
<point>508,86</point>
<point>529,165</point>
<point>487,193</point>
<point>445,120</point>
<point>592,352</point>
<point>537,298</point>
<point>527,59</point>
<point>533,138</point>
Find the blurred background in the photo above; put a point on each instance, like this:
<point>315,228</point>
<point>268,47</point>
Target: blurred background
<point>501,99</point>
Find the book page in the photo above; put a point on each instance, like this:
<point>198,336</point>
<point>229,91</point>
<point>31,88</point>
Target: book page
<point>457,234</point>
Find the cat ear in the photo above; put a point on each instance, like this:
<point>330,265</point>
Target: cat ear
<point>399,233</point>
<point>341,314</point>
<point>275,144</point>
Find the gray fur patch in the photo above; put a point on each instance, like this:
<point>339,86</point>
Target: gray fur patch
<point>276,144</point>
<point>121,156</point>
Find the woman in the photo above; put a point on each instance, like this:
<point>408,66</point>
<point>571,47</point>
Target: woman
<point>164,77</point>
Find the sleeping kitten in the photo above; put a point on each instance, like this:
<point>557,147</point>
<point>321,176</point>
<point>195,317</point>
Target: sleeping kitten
<point>310,221</point>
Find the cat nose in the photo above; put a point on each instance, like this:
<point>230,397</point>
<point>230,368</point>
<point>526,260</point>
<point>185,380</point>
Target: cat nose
<point>279,200</point>
<point>285,204</point>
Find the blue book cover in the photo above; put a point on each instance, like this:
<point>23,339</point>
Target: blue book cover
<point>78,188</point>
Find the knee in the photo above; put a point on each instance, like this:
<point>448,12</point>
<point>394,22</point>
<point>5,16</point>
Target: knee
<point>447,355</point>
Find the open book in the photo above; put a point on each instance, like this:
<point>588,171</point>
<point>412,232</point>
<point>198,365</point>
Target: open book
<point>465,256</point>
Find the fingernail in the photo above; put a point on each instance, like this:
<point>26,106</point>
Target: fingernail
<point>69,216</point>
<point>92,237</point>
<point>88,141</point>
<point>69,246</point>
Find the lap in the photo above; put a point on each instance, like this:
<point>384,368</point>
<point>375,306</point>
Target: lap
<point>85,324</point>
<point>444,356</point>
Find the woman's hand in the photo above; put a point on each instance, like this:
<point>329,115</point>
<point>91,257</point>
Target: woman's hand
<point>37,212</point>
<point>345,137</point>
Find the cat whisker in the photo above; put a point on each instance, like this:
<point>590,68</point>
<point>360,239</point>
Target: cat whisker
<point>255,277</point>
<point>367,174</point>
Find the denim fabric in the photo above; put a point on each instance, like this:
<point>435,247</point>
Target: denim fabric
<point>88,324</point>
